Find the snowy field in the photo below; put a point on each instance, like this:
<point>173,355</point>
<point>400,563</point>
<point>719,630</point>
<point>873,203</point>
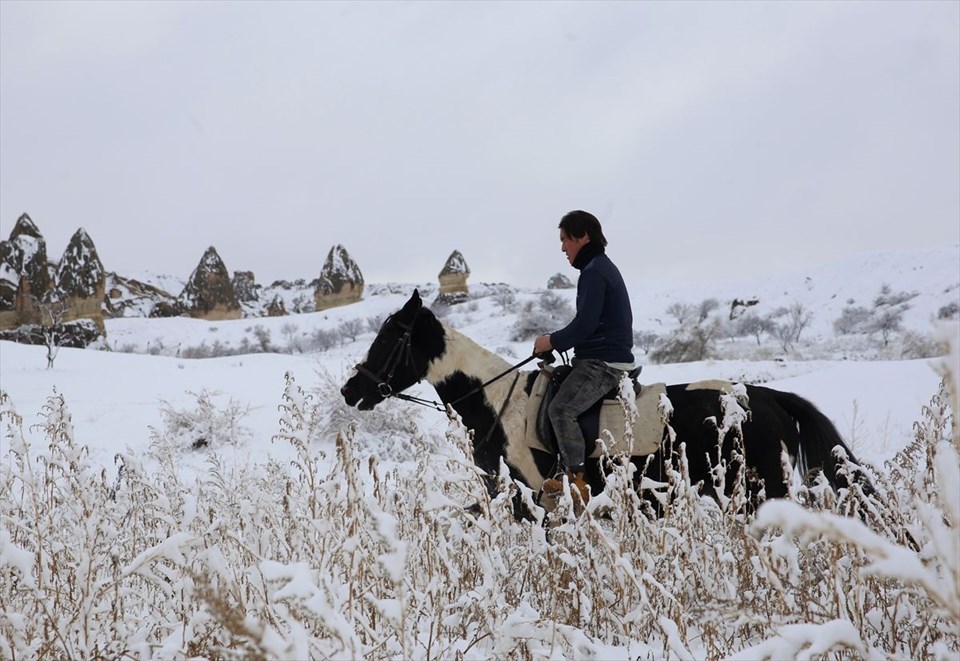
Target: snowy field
<point>158,506</point>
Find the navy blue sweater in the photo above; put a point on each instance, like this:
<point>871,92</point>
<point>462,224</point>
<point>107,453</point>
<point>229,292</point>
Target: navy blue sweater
<point>603,327</point>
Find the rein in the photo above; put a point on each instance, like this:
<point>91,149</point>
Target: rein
<point>438,406</point>
<point>402,350</point>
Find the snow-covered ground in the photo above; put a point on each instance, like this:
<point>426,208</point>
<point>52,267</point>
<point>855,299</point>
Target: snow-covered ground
<point>121,402</point>
<point>115,398</point>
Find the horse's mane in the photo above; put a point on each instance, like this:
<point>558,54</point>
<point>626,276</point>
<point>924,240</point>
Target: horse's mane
<point>461,354</point>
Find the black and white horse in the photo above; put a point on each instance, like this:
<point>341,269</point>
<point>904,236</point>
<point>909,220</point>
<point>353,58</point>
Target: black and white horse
<point>413,345</point>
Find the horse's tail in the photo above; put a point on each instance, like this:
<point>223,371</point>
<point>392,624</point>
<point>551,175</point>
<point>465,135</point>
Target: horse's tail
<point>818,440</point>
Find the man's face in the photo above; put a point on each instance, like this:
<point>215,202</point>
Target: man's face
<point>571,246</point>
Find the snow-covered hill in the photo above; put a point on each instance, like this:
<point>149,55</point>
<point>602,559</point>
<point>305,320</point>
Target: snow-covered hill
<point>929,279</point>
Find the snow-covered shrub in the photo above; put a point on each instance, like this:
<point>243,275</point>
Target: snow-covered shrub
<point>949,311</point>
<point>900,566</point>
<point>852,319</point>
<point>696,336</point>
<point>884,318</point>
<point>507,301</point>
<point>204,423</point>
<point>384,431</point>
<point>549,312</point>
<point>918,345</point>
<point>335,556</point>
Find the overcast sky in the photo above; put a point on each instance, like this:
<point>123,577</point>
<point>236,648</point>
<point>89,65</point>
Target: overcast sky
<point>713,140</point>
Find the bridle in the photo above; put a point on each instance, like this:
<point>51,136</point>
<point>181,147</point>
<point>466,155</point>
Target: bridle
<point>402,352</point>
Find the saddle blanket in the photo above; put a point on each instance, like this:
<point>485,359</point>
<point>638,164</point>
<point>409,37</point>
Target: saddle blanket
<point>647,427</point>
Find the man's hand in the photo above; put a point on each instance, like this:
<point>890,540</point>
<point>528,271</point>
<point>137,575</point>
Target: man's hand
<point>542,345</point>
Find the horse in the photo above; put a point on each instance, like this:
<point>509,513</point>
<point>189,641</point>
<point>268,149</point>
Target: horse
<point>413,345</point>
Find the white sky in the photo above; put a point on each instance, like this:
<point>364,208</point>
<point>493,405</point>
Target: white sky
<point>713,140</point>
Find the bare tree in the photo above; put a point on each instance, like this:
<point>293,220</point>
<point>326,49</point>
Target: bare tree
<point>263,337</point>
<point>548,313</point>
<point>888,309</point>
<point>291,332</point>
<point>351,328</point>
<point>886,321</point>
<point>695,338</point>
<point>706,306</point>
<point>324,340</point>
<point>682,312</point>
<point>375,322</point>
<point>752,324</point>
<point>54,334</point>
<point>507,301</point>
<point>853,319</point>
<point>645,340</point>
<point>796,318</point>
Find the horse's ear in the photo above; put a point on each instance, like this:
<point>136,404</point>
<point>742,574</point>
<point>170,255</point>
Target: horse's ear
<point>415,302</point>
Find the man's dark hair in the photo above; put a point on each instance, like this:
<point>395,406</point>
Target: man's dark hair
<point>577,223</point>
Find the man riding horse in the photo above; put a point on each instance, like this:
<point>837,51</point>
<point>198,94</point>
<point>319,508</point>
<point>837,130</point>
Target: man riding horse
<point>601,336</point>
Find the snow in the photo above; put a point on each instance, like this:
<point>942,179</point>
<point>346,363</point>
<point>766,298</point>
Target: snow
<point>340,264</point>
<point>24,248</point>
<point>117,401</point>
<point>455,264</point>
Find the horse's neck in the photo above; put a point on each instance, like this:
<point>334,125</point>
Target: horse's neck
<point>498,423</point>
<point>465,356</point>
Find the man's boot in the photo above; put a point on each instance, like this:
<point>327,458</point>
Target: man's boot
<point>553,487</point>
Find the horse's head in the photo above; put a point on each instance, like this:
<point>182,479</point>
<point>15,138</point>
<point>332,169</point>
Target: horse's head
<point>406,343</point>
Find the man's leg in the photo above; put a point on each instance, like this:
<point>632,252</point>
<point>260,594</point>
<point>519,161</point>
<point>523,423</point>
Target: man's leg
<point>587,383</point>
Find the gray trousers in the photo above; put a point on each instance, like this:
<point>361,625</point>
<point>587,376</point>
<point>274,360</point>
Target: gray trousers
<point>589,380</point>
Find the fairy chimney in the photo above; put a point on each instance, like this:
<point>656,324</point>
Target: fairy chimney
<point>559,281</point>
<point>24,274</point>
<point>340,281</point>
<point>276,308</point>
<point>453,280</point>
<point>245,287</point>
<point>209,293</point>
<point>81,280</point>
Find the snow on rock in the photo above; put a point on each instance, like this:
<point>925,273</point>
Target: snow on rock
<point>23,272</point>
<point>209,293</point>
<point>456,264</point>
<point>340,281</point>
<point>453,280</point>
<point>80,274</point>
<point>129,297</point>
<point>246,287</point>
<point>559,281</point>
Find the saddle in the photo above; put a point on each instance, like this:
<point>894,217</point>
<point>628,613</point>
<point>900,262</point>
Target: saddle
<point>607,414</point>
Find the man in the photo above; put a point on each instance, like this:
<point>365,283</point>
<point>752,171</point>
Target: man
<point>601,336</point>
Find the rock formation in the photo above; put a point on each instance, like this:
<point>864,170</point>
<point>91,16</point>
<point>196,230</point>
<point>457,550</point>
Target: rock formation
<point>453,280</point>
<point>128,297</point>
<point>245,286</point>
<point>559,281</point>
<point>24,274</point>
<point>276,308</point>
<point>340,281</point>
<point>81,280</point>
<point>209,293</point>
